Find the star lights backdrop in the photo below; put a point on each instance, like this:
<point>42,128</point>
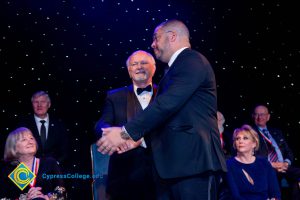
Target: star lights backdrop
<point>76,50</point>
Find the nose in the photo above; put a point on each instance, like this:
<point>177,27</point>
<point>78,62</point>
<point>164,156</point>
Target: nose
<point>140,66</point>
<point>153,45</point>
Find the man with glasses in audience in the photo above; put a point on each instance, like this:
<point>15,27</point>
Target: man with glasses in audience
<point>274,146</point>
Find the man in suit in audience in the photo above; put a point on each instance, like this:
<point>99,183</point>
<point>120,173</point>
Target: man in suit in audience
<point>274,146</point>
<point>130,173</point>
<point>49,132</point>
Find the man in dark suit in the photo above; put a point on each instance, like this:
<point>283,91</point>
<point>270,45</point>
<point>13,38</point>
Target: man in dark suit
<point>181,120</point>
<point>130,173</point>
<point>49,132</point>
<point>274,146</point>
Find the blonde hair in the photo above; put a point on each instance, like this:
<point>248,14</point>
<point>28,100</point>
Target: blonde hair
<point>13,137</point>
<point>249,131</point>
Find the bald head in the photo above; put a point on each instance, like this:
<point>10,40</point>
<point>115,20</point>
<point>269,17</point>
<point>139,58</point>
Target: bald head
<point>141,68</point>
<point>141,52</point>
<point>168,37</point>
<point>177,26</point>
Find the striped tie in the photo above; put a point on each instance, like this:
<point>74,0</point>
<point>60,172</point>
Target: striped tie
<point>271,150</point>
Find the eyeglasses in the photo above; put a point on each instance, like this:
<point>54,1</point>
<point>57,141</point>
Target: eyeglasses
<point>157,37</point>
<point>260,114</point>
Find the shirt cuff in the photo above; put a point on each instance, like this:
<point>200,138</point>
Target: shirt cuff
<point>288,161</point>
<point>143,144</point>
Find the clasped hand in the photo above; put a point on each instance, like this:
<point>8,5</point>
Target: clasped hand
<point>111,141</point>
<point>36,192</point>
<point>280,166</point>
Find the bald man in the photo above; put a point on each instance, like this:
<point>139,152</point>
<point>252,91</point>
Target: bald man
<point>272,139</point>
<point>181,121</point>
<point>130,173</point>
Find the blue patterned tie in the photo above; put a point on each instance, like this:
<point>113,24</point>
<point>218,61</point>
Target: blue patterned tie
<point>271,150</point>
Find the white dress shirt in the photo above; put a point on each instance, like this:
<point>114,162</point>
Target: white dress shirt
<point>39,124</point>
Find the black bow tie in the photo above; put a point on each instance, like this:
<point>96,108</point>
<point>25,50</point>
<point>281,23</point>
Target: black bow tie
<point>140,90</point>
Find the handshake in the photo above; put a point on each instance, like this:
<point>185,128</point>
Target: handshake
<point>115,139</point>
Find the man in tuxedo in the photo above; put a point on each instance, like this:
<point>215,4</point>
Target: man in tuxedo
<point>49,132</point>
<point>274,146</point>
<point>130,173</point>
<point>181,121</point>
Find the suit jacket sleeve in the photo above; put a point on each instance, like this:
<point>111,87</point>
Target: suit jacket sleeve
<point>114,110</point>
<point>189,72</point>
<point>107,117</point>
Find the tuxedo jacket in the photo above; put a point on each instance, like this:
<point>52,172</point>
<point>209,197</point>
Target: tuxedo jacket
<point>181,121</point>
<point>129,173</point>
<point>57,143</point>
<point>280,140</point>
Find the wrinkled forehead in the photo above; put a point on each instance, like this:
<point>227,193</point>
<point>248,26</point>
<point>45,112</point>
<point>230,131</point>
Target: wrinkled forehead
<point>41,97</point>
<point>261,109</point>
<point>139,56</point>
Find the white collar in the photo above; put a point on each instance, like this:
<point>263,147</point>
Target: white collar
<point>174,56</point>
<point>37,119</point>
<point>135,87</point>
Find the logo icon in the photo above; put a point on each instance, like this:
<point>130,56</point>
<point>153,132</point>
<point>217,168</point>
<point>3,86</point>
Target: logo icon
<point>21,176</point>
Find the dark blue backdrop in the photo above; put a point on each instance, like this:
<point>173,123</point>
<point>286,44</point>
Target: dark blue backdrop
<point>76,50</point>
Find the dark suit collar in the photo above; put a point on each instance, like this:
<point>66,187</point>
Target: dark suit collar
<point>133,104</point>
<point>154,92</point>
<point>174,64</point>
<point>175,55</point>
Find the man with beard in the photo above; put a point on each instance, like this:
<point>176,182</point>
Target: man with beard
<point>181,121</point>
<point>130,173</point>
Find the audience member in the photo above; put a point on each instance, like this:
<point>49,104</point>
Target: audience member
<point>274,146</point>
<point>49,132</point>
<point>250,177</point>
<point>21,147</point>
<point>181,121</point>
<point>130,173</point>
<point>225,136</point>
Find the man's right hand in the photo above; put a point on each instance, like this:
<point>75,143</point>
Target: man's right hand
<point>280,166</point>
<point>128,145</point>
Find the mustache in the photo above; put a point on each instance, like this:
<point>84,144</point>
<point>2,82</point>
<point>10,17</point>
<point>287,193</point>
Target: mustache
<point>140,71</point>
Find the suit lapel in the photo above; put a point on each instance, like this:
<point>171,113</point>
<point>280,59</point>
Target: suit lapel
<point>133,104</point>
<point>166,77</point>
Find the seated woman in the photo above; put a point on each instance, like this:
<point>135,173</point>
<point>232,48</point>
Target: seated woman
<point>250,177</point>
<point>21,147</point>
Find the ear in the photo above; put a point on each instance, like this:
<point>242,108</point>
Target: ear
<point>268,117</point>
<point>254,145</point>
<point>172,36</point>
